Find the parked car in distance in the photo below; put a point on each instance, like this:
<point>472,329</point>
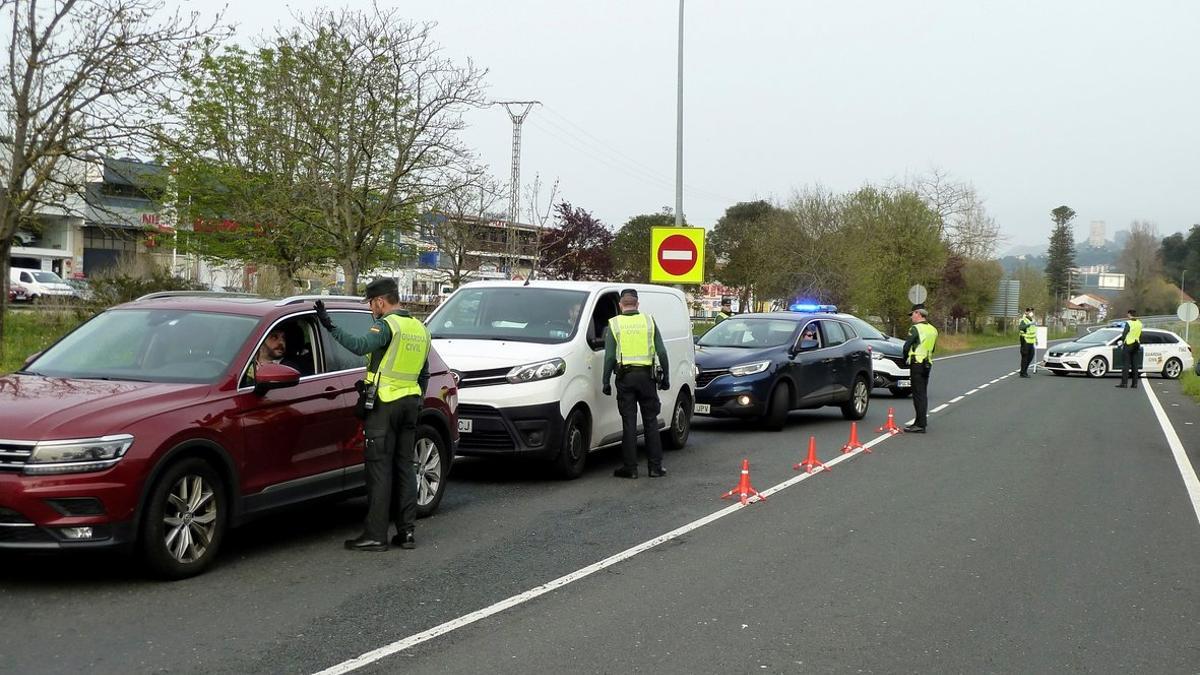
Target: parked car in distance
<point>529,359</point>
<point>82,287</point>
<point>1097,354</point>
<point>887,357</point>
<point>17,292</point>
<point>150,427</point>
<point>40,283</point>
<point>761,366</point>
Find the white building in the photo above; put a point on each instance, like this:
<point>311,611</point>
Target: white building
<point>1098,235</point>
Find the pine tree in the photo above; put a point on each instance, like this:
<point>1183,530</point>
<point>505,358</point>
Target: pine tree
<point>1061,256</point>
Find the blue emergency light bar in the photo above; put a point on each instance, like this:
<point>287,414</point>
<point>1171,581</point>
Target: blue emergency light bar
<point>806,307</point>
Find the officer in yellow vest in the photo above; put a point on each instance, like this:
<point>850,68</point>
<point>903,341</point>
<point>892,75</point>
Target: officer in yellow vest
<point>397,371</point>
<point>1131,339</point>
<point>726,310</point>
<point>631,346</point>
<point>1027,330</point>
<point>918,351</point>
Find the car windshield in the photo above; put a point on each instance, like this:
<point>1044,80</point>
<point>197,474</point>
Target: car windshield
<point>749,333</point>
<point>47,277</point>
<point>516,313</point>
<point>1099,337</point>
<point>148,345</point>
<point>865,330</point>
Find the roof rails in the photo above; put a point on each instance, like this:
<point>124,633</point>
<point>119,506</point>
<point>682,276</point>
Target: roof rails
<point>194,294</point>
<point>310,298</point>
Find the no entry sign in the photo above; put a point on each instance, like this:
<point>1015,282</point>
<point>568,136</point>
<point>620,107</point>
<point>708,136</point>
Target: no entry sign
<point>677,255</point>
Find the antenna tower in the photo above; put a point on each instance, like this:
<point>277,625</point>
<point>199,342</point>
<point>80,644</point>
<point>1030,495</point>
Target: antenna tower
<point>517,112</point>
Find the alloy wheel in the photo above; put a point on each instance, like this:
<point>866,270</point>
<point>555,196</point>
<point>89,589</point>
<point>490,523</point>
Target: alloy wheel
<point>190,517</point>
<point>429,470</point>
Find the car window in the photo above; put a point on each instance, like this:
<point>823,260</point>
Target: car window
<point>295,341</point>
<point>1168,338</point>
<point>338,357</point>
<point>1100,337</point>
<point>1151,339</point>
<point>865,330</point>
<point>47,277</point>
<point>749,333</point>
<point>154,345</point>
<point>26,278</point>
<point>833,333</point>
<point>606,308</point>
<point>811,331</point>
<point>849,331</point>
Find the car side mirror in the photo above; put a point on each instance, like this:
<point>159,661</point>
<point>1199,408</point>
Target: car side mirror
<point>696,339</point>
<point>807,345</point>
<point>270,376</point>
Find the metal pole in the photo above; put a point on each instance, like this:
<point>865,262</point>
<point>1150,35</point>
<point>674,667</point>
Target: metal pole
<point>679,130</point>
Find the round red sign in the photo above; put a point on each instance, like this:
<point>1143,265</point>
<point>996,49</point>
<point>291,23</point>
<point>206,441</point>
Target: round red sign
<point>677,255</point>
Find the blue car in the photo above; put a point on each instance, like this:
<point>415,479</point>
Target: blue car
<point>761,366</point>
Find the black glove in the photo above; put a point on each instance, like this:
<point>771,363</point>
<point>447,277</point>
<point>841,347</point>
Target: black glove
<point>664,384</point>
<point>322,315</point>
<point>607,389</point>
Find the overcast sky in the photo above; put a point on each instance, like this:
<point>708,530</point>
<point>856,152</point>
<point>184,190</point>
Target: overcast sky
<point>1090,103</point>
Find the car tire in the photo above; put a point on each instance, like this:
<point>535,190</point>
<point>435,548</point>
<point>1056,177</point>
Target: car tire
<point>899,392</point>
<point>676,435</point>
<point>860,400</point>
<point>572,454</point>
<point>186,506</point>
<point>1097,367</point>
<point>1172,369</point>
<point>777,408</point>
<point>433,468</point>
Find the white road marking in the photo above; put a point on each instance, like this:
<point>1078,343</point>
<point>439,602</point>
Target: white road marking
<point>676,255</point>
<point>1186,470</point>
<point>996,380</point>
<point>956,399</point>
<point>940,408</point>
<point>970,392</point>
<point>985,385</point>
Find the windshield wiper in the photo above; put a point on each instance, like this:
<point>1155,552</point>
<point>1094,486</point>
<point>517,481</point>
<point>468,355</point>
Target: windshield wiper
<point>115,379</point>
<point>27,372</point>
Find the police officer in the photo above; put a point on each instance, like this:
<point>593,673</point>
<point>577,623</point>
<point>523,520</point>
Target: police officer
<point>1131,338</point>
<point>726,310</point>
<point>397,372</point>
<point>918,352</point>
<point>631,345</point>
<point>1028,336</point>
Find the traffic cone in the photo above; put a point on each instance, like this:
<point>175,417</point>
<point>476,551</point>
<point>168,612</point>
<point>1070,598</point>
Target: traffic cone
<point>853,444</point>
<point>811,462</point>
<point>890,427</point>
<point>744,490</point>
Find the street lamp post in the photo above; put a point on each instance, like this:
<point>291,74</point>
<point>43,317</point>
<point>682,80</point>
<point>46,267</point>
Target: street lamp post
<point>679,129</point>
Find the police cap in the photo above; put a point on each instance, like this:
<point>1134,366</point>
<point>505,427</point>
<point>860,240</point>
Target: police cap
<point>630,292</point>
<point>380,287</point>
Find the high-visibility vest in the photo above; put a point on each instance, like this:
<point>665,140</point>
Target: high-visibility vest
<point>1135,332</point>
<point>722,315</point>
<point>1028,331</point>
<point>634,335</point>
<point>926,339</point>
<point>404,359</point>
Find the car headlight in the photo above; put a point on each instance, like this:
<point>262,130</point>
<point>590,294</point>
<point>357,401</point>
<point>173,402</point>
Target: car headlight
<point>76,456</point>
<point>542,370</point>
<point>749,368</point>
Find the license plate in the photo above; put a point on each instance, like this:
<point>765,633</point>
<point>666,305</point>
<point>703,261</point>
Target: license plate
<point>464,426</point>
<point>903,383</point>
<point>702,408</point>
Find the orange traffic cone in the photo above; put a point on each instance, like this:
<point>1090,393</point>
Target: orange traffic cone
<point>853,444</point>
<point>890,427</point>
<point>811,462</point>
<point>744,490</point>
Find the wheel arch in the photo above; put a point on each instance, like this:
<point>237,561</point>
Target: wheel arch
<point>210,452</point>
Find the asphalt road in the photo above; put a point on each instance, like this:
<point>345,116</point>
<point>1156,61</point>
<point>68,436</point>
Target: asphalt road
<point>1041,526</point>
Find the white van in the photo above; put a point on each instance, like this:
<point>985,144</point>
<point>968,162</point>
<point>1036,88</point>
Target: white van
<point>529,360</point>
<point>39,283</point>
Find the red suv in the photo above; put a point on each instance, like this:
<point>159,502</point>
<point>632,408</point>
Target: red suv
<point>147,428</point>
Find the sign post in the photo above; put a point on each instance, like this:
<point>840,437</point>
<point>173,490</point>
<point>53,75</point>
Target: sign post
<point>677,255</point>
<point>1187,313</point>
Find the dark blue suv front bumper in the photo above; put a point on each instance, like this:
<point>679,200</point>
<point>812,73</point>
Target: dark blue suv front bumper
<point>729,396</point>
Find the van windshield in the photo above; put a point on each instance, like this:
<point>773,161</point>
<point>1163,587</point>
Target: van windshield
<point>517,313</point>
<point>47,277</point>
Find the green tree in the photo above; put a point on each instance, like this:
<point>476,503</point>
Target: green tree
<point>1033,291</point>
<point>1143,270</point>
<point>1061,254</point>
<point>981,281</point>
<point>734,244</point>
<point>631,246</point>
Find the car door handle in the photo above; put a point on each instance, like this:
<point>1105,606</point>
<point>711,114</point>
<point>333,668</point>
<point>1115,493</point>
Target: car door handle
<point>331,392</point>
<point>828,360</point>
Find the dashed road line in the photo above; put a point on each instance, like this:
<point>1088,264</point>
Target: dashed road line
<point>956,399</point>
<point>940,408</point>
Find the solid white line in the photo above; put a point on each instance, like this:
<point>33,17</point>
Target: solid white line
<point>939,408</point>
<point>676,255</point>
<point>956,399</point>
<point>1186,470</point>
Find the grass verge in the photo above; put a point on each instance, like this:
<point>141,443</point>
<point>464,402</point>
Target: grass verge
<point>28,332</point>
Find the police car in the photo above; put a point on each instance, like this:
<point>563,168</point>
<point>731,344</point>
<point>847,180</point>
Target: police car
<point>1097,353</point>
<point>887,357</point>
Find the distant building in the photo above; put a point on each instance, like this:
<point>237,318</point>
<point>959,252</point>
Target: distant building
<point>1098,235</point>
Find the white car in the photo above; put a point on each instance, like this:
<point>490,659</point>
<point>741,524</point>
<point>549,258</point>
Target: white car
<point>39,283</point>
<point>1163,353</point>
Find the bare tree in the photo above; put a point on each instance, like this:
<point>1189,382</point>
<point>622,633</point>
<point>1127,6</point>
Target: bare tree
<point>84,78</point>
<point>460,215</point>
<point>538,217</point>
<point>965,224</point>
<point>1140,262</point>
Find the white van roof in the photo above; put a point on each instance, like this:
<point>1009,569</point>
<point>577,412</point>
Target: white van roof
<point>588,286</point>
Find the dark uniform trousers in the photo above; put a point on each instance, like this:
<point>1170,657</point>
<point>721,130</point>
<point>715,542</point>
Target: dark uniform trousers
<point>1026,356</point>
<point>390,454</point>
<point>919,373</point>
<point>1133,353</point>
<point>636,389</point>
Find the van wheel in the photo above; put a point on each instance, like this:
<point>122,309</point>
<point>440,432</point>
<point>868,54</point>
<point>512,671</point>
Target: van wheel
<point>676,435</point>
<point>860,400</point>
<point>777,408</point>
<point>573,454</point>
<point>185,520</point>
<point>433,466</point>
